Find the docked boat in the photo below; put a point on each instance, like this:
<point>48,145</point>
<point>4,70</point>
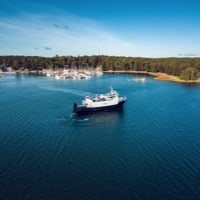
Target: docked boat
<point>140,79</point>
<point>103,102</point>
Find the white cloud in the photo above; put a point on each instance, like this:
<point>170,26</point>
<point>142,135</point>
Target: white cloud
<point>43,35</point>
<point>187,54</point>
<point>69,35</point>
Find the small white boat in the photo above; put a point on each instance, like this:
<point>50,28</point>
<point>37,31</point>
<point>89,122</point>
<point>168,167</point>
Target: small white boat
<point>143,79</point>
<point>57,77</point>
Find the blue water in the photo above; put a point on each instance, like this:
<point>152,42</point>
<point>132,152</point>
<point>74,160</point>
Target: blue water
<point>150,150</point>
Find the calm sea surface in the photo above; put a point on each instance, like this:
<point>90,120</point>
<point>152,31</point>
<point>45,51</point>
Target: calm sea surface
<point>150,150</point>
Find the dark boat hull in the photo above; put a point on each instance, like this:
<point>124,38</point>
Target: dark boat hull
<point>82,110</point>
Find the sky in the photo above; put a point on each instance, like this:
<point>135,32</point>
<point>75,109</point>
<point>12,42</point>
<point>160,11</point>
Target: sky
<point>136,28</point>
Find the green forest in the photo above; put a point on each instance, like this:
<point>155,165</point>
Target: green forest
<point>185,68</point>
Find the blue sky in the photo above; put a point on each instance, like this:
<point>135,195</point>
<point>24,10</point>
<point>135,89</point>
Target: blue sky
<point>168,28</point>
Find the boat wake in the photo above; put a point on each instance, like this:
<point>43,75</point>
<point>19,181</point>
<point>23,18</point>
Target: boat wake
<point>71,91</point>
<point>94,119</point>
<point>97,118</point>
<point>72,118</point>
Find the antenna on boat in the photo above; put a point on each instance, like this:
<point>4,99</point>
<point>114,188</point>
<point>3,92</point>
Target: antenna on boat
<point>111,88</point>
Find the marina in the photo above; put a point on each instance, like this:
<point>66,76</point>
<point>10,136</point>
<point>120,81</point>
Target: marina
<point>72,74</point>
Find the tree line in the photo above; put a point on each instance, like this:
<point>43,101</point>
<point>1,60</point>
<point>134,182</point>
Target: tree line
<point>185,68</point>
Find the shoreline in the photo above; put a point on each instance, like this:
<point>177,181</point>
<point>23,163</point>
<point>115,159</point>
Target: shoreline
<point>157,76</point>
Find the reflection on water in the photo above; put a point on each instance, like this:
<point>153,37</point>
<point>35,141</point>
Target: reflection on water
<point>98,118</point>
<point>191,84</point>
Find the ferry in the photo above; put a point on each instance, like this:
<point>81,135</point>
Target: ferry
<point>103,102</point>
